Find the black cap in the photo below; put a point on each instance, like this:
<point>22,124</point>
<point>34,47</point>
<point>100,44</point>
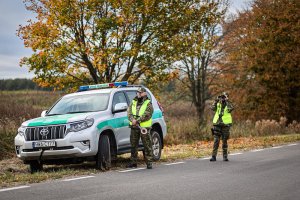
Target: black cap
<point>141,89</point>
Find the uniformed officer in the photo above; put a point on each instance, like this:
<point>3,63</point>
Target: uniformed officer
<point>222,122</point>
<point>140,118</point>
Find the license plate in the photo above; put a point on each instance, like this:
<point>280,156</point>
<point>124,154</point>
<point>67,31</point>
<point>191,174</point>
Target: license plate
<point>44,144</point>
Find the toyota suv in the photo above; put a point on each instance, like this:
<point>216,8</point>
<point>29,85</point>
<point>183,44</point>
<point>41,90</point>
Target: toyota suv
<point>89,125</point>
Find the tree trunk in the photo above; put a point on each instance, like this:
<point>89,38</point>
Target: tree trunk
<point>200,111</point>
<point>293,111</point>
<point>90,67</point>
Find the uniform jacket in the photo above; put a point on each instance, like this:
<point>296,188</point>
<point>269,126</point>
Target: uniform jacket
<point>147,114</point>
<point>229,108</point>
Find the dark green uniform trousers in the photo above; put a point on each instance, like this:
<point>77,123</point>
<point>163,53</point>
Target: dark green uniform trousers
<point>223,132</point>
<point>147,142</point>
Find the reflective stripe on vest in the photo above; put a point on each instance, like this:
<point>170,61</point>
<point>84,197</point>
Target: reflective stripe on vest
<point>141,112</point>
<point>226,118</point>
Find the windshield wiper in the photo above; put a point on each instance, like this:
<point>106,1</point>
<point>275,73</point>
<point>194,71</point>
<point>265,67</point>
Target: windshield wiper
<point>54,114</point>
<point>79,112</point>
<point>70,113</point>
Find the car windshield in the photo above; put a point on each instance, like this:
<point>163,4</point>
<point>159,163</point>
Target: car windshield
<point>80,104</point>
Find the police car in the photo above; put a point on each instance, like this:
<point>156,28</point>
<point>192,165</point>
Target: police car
<point>89,125</point>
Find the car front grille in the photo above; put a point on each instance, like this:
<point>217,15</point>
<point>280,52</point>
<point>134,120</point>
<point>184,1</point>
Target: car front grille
<point>45,132</point>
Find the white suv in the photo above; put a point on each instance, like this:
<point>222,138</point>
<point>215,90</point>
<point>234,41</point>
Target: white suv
<point>90,124</point>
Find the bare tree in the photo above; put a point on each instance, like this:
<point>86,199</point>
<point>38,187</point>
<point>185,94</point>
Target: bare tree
<point>199,52</point>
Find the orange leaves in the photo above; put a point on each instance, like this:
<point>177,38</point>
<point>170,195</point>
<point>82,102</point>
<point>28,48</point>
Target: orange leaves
<point>262,41</point>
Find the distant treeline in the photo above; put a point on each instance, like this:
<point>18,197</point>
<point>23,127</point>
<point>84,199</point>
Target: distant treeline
<point>20,84</point>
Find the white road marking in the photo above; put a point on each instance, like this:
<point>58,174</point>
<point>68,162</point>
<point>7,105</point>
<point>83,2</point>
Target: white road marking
<point>233,154</point>
<point>206,158</point>
<point>130,170</point>
<point>14,188</point>
<point>174,163</point>
<point>257,150</point>
<point>73,179</point>
<point>289,145</point>
<point>276,147</point>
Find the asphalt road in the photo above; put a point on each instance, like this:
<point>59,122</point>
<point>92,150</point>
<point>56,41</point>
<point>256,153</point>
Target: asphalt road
<point>272,173</point>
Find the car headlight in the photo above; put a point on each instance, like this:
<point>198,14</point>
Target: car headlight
<point>78,126</point>
<point>21,130</point>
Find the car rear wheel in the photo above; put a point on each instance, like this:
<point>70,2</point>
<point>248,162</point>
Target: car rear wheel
<point>103,160</point>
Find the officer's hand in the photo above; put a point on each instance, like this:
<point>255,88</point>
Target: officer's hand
<point>134,122</point>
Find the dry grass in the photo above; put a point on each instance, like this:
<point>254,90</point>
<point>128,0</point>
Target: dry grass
<point>16,107</point>
<point>182,121</point>
<point>20,105</point>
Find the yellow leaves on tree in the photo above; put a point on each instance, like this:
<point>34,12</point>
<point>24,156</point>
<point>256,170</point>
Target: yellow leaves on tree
<point>104,40</point>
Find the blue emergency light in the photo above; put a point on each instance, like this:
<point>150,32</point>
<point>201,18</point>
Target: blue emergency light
<point>103,85</point>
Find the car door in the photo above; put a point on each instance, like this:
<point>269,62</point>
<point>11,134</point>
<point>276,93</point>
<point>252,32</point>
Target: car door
<point>120,121</point>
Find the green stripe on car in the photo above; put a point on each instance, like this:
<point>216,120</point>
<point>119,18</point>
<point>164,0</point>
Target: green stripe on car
<point>123,121</point>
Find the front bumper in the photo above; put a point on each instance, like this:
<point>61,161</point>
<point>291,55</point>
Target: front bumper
<point>79,144</point>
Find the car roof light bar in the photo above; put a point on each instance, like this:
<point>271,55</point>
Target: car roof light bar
<point>123,83</point>
<point>103,85</point>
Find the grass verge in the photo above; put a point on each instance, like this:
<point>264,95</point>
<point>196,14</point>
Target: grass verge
<point>13,172</point>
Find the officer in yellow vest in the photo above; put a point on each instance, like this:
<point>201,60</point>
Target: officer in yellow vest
<point>140,119</point>
<point>222,122</point>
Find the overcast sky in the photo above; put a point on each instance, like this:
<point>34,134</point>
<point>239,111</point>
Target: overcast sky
<point>12,14</point>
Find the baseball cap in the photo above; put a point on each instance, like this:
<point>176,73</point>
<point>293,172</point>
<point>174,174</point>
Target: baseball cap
<point>141,89</point>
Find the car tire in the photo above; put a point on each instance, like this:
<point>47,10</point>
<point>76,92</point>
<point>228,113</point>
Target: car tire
<point>35,166</point>
<point>103,160</point>
<point>156,145</point>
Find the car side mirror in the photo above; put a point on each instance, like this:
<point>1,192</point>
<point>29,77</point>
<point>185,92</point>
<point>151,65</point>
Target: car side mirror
<point>120,107</point>
<point>43,114</point>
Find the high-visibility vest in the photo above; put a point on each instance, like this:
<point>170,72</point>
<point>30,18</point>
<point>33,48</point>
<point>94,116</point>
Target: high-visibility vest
<point>142,110</point>
<point>226,118</point>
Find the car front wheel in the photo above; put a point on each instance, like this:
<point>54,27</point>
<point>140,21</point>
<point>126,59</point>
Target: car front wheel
<point>103,159</point>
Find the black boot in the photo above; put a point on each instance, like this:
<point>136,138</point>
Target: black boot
<point>149,165</point>
<point>225,158</point>
<point>213,158</point>
<point>131,165</point>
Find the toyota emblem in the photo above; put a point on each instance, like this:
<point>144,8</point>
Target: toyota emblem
<point>44,132</point>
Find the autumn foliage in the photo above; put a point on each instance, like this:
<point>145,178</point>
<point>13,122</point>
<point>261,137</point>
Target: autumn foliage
<point>254,56</point>
<point>79,42</point>
<point>263,47</point>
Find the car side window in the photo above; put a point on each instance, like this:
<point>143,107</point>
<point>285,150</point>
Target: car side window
<point>149,96</point>
<point>119,98</point>
<point>131,95</point>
